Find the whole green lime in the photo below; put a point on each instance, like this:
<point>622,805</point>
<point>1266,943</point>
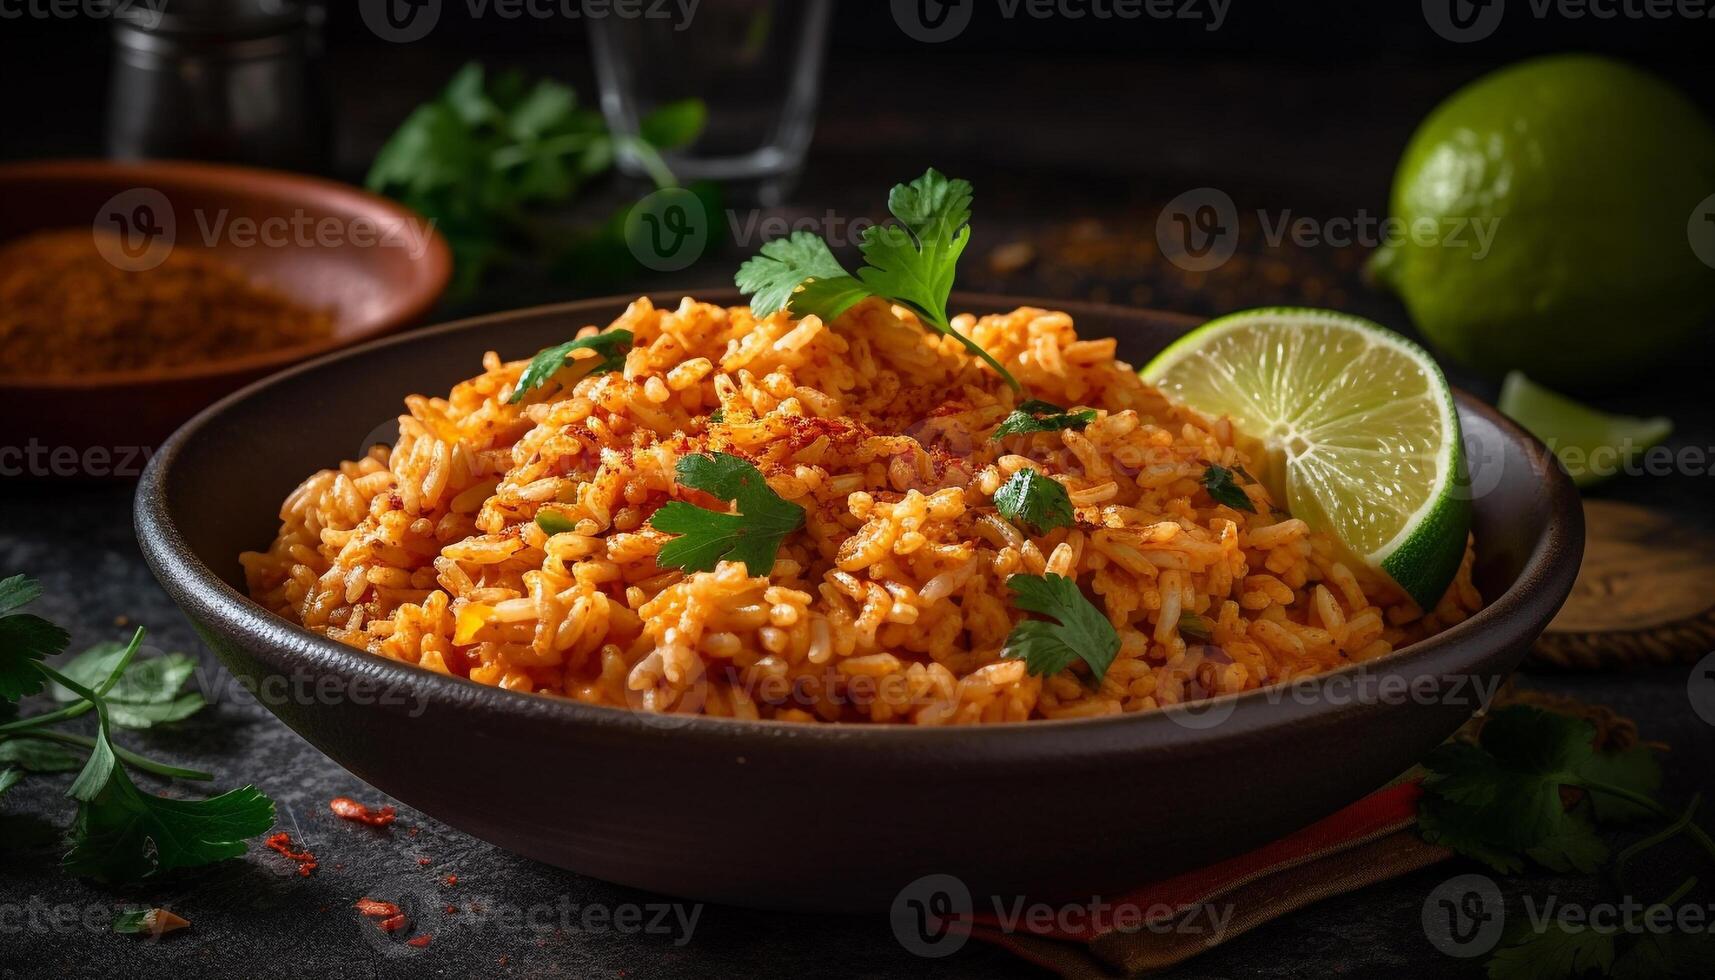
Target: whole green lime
<point>1541,221</point>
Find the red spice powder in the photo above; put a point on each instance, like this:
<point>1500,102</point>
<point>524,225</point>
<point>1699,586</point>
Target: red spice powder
<point>348,809</point>
<point>419,941</point>
<point>282,842</point>
<point>423,862</point>
<point>376,909</point>
<point>452,880</point>
<point>393,924</point>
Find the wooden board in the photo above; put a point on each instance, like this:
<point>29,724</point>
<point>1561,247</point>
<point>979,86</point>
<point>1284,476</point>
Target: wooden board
<point>1645,593</point>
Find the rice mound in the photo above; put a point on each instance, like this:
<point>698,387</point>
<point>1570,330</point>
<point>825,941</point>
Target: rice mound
<point>889,604</point>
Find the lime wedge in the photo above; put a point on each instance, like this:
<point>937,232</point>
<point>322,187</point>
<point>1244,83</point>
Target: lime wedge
<point>1591,445</point>
<point>1357,426</point>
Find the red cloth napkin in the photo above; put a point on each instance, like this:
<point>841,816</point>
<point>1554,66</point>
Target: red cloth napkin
<point>1370,841</point>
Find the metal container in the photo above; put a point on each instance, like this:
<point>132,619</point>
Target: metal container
<point>231,80</point>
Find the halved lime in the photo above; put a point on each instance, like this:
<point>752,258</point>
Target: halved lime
<point>1357,426</point>
<point>1592,445</point>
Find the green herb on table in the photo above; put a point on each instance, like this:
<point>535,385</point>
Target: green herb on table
<point>911,264</point>
<point>120,833</point>
<point>609,348</point>
<point>1503,802</point>
<point>1080,631</point>
<point>1040,416</point>
<point>1034,500</point>
<point>705,537</point>
<point>1223,489</point>
<point>486,154</point>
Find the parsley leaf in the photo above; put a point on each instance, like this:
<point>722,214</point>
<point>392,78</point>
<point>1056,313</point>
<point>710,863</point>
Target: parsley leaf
<point>39,755</point>
<point>147,693</point>
<point>610,347</point>
<point>772,277</point>
<point>751,536</point>
<point>911,263</point>
<point>24,639</point>
<point>1218,480</point>
<point>1082,632</point>
<point>490,151</point>
<point>1559,950</point>
<point>1040,416</point>
<point>16,592</point>
<point>123,834</point>
<point>9,778</point>
<point>1499,801</point>
<point>1035,500</point>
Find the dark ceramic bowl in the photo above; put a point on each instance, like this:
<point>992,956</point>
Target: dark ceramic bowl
<point>831,816</point>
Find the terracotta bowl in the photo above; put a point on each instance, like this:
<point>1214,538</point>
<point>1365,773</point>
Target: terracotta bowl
<point>820,816</point>
<point>370,288</point>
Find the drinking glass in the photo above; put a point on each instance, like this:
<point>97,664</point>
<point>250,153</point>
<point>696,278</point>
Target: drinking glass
<point>756,64</point>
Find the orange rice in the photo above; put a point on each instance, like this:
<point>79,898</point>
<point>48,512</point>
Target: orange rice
<point>890,604</point>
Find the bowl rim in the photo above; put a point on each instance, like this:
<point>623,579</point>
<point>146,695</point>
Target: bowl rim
<point>1549,569</point>
<point>255,182</point>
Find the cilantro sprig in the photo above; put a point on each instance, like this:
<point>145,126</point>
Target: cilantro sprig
<point>706,537</point>
<point>1502,801</point>
<point>1036,415</point>
<point>1079,630</point>
<point>120,833</point>
<point>609,346</point>
<point>1034,500</point>
<point>486,154</point>
<point>911,264</point>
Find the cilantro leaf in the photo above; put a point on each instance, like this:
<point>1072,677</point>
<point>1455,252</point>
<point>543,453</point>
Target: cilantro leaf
<point>785,263</point>
<point>39,755</point>
<point>1040,416</point>
<point>1218,480</point>
<point>1035,500</point>
<point>1500,800</point>
<point>1635,769</point>
<point>1572,846</point>
<point>25,639</point>
<point>1667,956</point>
<point>610,347</point>
<point>914,264</point>
<point>123,834</point>
<point>1081,633</point>
<point>146,694</point>
<point>705,537</point>
<point>911,263</point>
<point>16,592</point>
<point>10,777</point>
<point>1556,952</point>
<point>675,124</point>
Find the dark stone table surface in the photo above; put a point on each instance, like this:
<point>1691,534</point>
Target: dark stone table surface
<point>1082,183</point>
